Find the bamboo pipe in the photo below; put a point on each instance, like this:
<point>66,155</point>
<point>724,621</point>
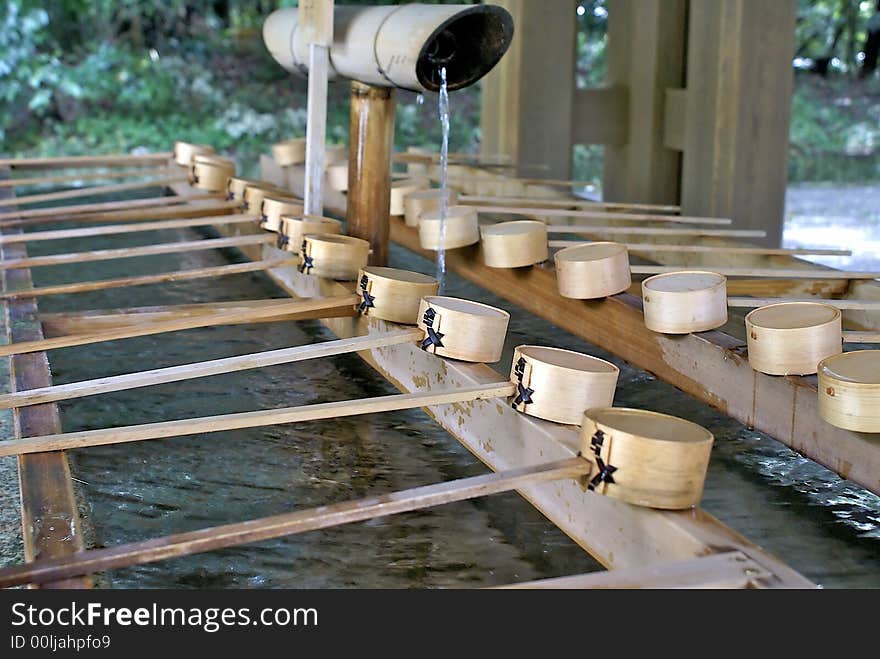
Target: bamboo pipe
<point>714,249</point>
<point>113,229</point>
<point>233,316</point>
<point>600,215</point>
<point>784,273</point>
<point>62,213</point>
<point>755,302</point>
<point>255,419</point>
<point>137,215</point>
<point>371,126</point>
<point>71,162</point>
<point>180,275</point>
<point>323,517</point>
<point>44,180</point>
<point>207,368</point>
<point>92,191</point>
<point>130,252</point>
<point>556,202</point>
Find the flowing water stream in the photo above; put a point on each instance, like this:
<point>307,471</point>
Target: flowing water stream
<point>444,178</point>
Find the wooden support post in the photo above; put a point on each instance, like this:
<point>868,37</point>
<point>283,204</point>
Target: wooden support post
<point>316,17</point>
<point>369,167</point>
<point>527,99</point>
<point>645,57</point>
<point>739,87</point>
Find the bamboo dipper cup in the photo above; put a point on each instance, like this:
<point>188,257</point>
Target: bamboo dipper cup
<point>685,301</point>
<point>253,195</point>
<point>461,329</point>
<point>849,390</point>
<point>290,152</point>
<point>422,201</point>
<point>791,338</point>
<point>274,206</point>
<point>294,227</point>
<point>337,177</point>
<point>401,188</point>
<point>235,187</point>
<point>514,244</point>
<point>335,154</point>
<point>462,228</point>
<point>558,385</point>
<point>184,151</point>
<point>645,458</point>
<point>392,294</point>
<point>212,173</point>
<point>333,256</point>
<point>593,270</point>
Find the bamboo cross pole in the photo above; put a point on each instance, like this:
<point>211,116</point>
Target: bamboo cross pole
<point>94,320</point>
<point>266,528</point>
<point>714,249</point>
<point>113,229</point>
<point>207,368</point>
<point>134,215</point>
<point>130,252</point>
<point>63,213</point>
<point>556,202</point>
<point>90,176</point>
<point>655,231</point>
<point>71,162</point>
<point>785,273</point>
<point>92,191</point>
<point>256,419</point>
<point>601,215</point>
<point>311,308</point>
<point>861,337</point>
<point>179,275</point>
<point>850,305</point>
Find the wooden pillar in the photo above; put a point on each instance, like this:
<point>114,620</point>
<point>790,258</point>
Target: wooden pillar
<point>527,99</point>
<point>739,88</point>
<point>369,166</point>
<point>645,55</point>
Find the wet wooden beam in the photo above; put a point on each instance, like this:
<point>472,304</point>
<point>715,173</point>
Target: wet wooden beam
<point>51,526</point>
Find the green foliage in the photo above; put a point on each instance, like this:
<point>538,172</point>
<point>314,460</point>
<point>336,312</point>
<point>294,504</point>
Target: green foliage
<point>834,29</point>
<point>100,76</point>
<point>835,130</point>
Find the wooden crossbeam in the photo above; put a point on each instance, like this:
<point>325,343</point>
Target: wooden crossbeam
<point>92,191</point>
<point>728,570</point>
<point>310,308</point>
<point>322,517</point>
<point>74,212</point>
<point>256,419</point>
<point>123,160</point>
<point>113,229</point>
<point>205,369</point>
<point>131,252</point>
<point>179,275</point>
<point>602,215</point>
<point>90,176</point>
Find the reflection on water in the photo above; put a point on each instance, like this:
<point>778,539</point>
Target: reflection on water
<point>820,525</point>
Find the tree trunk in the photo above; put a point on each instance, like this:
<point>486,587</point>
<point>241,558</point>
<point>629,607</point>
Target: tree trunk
<point>872,45</point>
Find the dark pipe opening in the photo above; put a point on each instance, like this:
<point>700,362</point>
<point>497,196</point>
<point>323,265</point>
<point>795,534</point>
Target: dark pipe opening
<point>469,45</point>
